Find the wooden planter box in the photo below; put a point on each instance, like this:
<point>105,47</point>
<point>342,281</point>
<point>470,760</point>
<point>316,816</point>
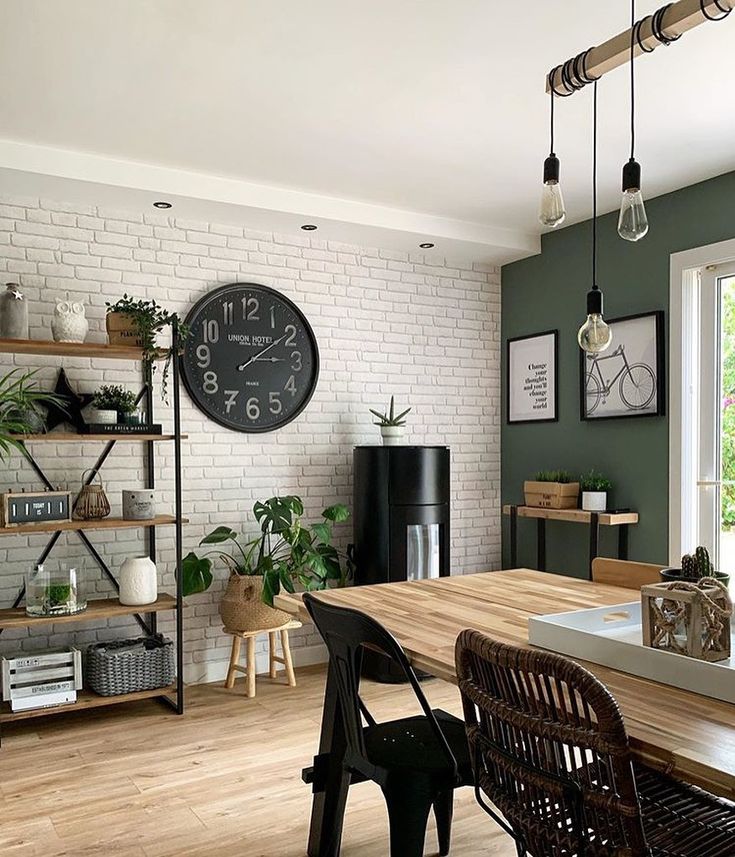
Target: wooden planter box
<point>121,330</point>
<point>551,495</point>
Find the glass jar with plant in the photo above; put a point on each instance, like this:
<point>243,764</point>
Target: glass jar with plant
<point>391,424</point>
<point>22,409</point>
<point>288,551</point>
<point>139,322</point>
<point>594,487</point>
<point>116,399</point>
<point>552,489</point>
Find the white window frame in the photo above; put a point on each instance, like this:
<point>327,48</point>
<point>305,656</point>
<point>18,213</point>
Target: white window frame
<point>686,269</point>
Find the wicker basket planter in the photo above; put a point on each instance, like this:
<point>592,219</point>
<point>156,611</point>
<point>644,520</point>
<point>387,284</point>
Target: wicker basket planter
<point>126,666</point>
<point>242,607</point>
<point>121,330</point>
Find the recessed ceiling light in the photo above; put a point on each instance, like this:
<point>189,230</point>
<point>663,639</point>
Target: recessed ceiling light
<point>162,204</point>
<point>427,245</point>
<point>309,227</point>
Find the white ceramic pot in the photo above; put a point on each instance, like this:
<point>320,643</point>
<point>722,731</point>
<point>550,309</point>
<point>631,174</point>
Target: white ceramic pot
<point>594,501</point>
<point>391,435</point>
<point>104,417</point>
<point>138,581</point>
<point>138,505</point>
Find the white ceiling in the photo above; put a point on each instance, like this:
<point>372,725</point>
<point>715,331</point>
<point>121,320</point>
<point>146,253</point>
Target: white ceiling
<point>425,117</point>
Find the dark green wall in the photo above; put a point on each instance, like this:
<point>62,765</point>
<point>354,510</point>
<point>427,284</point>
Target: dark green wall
<point>548,291</point>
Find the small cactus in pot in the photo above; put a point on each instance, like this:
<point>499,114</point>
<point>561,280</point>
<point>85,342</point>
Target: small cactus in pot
<point>694,567</point>
<point>391,424</point>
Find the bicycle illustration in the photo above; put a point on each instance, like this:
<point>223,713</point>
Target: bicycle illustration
<point>637,385</point>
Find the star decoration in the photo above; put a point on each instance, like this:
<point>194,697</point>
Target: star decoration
<point>15,291</point>
<point>73,405</point>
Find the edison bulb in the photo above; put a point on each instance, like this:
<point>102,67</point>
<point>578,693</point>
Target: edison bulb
<point>632,223</point>
<point>595,335</point>
<point>551,210</point>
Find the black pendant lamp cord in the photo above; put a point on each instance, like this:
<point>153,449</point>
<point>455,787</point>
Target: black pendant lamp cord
<point>632,79</point>
<point>594,187</point>
<point>551,134</point>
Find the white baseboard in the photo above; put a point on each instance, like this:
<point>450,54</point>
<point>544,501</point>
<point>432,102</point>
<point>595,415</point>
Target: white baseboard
<point>217,670</point>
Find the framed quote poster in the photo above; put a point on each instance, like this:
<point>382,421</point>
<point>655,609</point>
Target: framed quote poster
<point>626,380</point>
<point>531,367</point>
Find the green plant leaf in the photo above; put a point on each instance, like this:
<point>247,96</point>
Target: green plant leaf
<point>323,532</point>
<point>271,586</point>
<point>337,513</point>
<point>331,561</point>
<point>276,514</point>
<point>196,574</point>
<point>221,534</point>
<point>285,578</point>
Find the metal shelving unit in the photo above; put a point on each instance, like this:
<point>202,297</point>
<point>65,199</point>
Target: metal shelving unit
<point>104,608</point>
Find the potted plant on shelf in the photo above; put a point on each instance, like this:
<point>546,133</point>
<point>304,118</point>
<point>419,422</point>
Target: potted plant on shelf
<point>286,552</point>
<point>112,404</point>
<point>391,424</point>
<point>22,409</point>
<point>138,323</point>
<point>693,568</point>
<point>594,491</point>
<point>552,489</point>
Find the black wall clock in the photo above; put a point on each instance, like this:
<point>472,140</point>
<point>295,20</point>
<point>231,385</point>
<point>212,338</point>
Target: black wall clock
<point>251,362</point>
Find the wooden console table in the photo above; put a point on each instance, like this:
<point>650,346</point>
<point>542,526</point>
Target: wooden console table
<point>594,520</point>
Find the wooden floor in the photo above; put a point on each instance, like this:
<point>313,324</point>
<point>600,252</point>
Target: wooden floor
<point>138,781</point>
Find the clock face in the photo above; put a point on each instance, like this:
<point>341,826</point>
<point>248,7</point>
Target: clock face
<point>251,362</point>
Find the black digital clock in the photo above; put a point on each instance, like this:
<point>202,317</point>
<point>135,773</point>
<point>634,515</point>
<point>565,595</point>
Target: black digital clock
<point>251,362</point>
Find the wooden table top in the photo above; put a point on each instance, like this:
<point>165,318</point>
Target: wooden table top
<point>688,735</point>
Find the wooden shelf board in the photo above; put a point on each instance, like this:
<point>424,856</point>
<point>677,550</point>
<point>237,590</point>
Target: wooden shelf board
<point>575,516</point>
<point>47,348</point>
<point>102,524</point>
<point>100,608</point>
<point>85,699</point>
<point>74,437</point>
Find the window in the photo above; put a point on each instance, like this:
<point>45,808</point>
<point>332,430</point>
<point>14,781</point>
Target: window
<point>702,428</point>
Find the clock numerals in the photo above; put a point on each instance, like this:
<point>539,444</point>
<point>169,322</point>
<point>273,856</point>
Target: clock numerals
<point>204,358</point>
<point>273,316</point>
<point>228,312</point>
<point>210,385</point>
<point>210,330</point>
<point>252,408</point>
<point>291,331</point>
<point>250,308</point>
<point>290,385</point>
<point>297,363</point>
<point>275,406</point>
<point>230,399</point>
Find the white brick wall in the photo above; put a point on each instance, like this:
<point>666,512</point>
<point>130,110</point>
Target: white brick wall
<point>422,327</point>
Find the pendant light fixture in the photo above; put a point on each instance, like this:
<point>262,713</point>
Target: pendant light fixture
<point>551,210</point>
<point>595,335</point>
<point>633,222</point>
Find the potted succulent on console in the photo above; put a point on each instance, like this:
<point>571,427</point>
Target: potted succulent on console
<point>693,568</point>
<point>391,424</point>
<point>286,552</point>
<point>138,323</point>
<point>594,491</point>
<point>552,489</point>
<point>112,404</point>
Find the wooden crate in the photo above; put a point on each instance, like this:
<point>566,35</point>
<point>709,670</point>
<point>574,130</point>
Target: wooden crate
<point>687,619</point>
<point>30,507</point>
<point>42,680</point>
<point>551,495</point>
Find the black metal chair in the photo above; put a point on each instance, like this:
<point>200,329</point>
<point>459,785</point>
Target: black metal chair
<point>417,761</point>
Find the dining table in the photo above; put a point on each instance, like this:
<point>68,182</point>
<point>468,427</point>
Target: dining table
<point>686,735</point>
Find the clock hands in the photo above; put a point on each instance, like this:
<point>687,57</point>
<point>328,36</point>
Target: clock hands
<point>269,359</point>
<point>257,356</point>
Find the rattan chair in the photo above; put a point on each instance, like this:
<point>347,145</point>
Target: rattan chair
<point>550,752</point>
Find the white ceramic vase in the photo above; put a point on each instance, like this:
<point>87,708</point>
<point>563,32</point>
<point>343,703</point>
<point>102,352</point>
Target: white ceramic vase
<point>391,435</point>
<point>594,501</point>
<point>138,581</point>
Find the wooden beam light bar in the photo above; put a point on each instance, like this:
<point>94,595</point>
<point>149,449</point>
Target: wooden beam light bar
<point>675,20</point>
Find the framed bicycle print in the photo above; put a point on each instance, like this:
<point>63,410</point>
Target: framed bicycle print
<point>627,380</point>
<point>532,395</point>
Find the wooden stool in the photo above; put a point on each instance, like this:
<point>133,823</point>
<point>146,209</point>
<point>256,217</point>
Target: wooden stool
<point>273,659</point>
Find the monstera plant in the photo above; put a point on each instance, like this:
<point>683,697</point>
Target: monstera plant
<point>287,552</point>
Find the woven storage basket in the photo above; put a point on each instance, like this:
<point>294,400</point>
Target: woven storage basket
<point>242,607</point>
<point>112,669</point>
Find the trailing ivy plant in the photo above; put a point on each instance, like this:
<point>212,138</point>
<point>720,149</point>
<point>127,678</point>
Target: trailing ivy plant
<point>149,319</point>
<point>20,401</point>
<point>287,551</point>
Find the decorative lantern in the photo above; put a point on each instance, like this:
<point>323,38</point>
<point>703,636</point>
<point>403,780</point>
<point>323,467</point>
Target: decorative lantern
<point>691,619</point>
<point>92,503</point>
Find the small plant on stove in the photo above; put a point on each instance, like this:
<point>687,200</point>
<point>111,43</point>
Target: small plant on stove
<point>390,418</point>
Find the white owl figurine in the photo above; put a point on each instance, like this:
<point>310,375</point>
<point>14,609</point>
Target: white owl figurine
<point>70,322</point>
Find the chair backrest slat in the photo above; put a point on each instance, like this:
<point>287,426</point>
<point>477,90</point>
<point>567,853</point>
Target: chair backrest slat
<point>549,750</point>
<point>621,572</point>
